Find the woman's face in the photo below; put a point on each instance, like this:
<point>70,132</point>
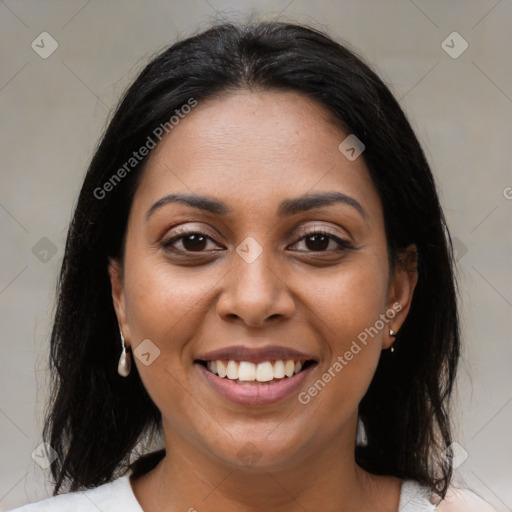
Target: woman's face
<point>241,277</point>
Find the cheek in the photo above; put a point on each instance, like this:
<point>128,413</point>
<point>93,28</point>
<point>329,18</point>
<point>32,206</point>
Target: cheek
<point>350,299</point>
<point>166,305</point>
<point>346,308</point>
<point>162,305</point>
<point>162,302</point>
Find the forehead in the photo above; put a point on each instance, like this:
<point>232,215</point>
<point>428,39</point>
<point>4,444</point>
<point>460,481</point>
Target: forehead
<point>252,149</point>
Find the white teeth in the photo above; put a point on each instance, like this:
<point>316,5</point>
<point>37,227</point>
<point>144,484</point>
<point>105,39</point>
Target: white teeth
<point>278,370</point>
<point>264,372</point>
<point>232,370</point>
<point>289,368</point>
<point>221,368</point>
<point>245,371</point>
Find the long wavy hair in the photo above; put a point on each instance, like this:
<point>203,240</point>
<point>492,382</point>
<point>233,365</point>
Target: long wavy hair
<point>95,418</point>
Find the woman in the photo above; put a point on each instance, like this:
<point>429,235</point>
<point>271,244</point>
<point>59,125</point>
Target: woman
<point>258,268</point>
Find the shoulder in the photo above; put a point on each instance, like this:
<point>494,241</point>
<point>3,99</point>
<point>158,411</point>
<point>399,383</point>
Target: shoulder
<point>463,500</point>
<point>116,495</point>
<point>415,497</point>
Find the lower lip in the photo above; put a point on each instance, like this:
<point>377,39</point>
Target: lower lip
<point>257,394</point>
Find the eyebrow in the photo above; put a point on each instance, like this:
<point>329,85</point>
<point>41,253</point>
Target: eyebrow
<point>286,208</point>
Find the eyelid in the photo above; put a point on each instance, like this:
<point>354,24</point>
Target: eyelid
<point>186,230</point>
<point>307,230</point>
<point>300,231</point>
<point>340,236</point>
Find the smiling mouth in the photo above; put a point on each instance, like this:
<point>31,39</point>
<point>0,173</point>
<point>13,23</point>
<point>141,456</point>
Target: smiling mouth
<point>256,374</point>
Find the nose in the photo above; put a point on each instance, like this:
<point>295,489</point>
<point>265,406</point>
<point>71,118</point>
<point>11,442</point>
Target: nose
<point>255,293</point>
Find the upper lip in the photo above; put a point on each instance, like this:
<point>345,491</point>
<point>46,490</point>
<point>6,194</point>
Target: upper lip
<point>254,355</point>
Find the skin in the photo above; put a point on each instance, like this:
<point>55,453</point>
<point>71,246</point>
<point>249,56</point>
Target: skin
<point>252,150</point>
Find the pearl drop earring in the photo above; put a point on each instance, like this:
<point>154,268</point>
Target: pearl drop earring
<point>125,362</point>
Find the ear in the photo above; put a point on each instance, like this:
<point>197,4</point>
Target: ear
<point>401,289</point>
<point>115,273</point>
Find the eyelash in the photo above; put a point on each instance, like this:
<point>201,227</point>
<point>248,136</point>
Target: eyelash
<point>343,244</point>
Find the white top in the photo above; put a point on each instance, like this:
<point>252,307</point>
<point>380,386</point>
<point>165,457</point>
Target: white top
<point>118,496</point>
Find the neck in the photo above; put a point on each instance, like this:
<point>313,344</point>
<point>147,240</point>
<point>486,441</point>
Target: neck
<point>187,479</point>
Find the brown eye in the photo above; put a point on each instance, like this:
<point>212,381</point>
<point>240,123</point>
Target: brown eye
<point>192,241</point>
<point>319,241</point>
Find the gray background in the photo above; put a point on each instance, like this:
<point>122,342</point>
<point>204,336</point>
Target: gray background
<point>54,110</point>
